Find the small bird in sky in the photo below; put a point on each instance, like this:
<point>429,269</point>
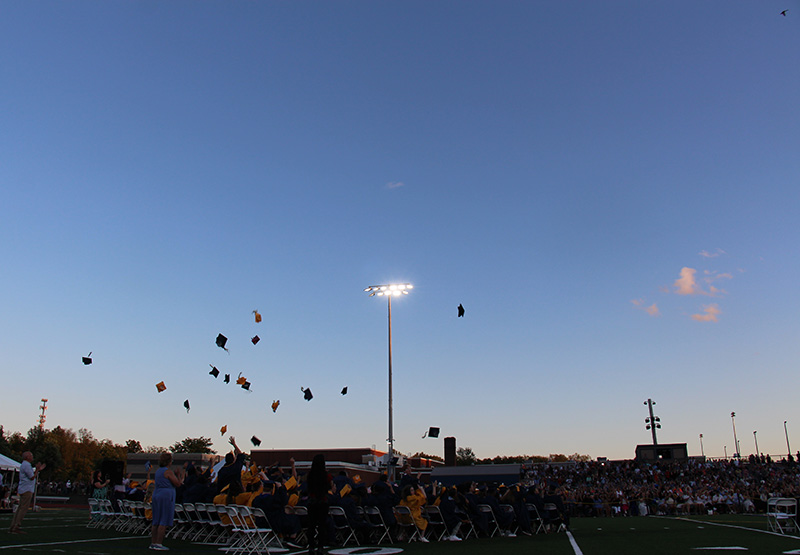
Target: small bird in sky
<point>460,310</point>
<point>783,13</point>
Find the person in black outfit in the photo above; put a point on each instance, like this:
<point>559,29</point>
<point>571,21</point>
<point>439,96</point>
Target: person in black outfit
<point>319,482</point>
<point>232,471</point>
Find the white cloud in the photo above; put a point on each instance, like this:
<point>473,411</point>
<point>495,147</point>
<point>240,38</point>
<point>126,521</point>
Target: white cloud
<point>706,254</point>
<point>394,184</point>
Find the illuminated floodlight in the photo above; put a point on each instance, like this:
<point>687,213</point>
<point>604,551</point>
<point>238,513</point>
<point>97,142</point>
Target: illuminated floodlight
<point>390,290</point>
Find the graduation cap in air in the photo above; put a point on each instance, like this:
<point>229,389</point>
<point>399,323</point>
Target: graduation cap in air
<point>246,385</point>
<point>344,390</point>
<point>221,341</point>
<point>255,339</point>
<point>460,310</point>
<point>214,372</point>
<point>241,380</point>
<point>258,316</point>
<point>255,441</point>
<point>275,405</point>
<point>160,386</point>
<point>307,393</point>
<point>227,378</point>
<point>432,432</point>
<point>223,430</point>
<point>87,360</point>
<point>186,405</point>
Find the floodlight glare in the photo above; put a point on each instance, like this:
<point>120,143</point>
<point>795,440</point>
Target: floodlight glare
<point>390,290</point>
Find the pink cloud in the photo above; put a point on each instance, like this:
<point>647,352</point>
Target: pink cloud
<point>652,310</point>
<point>706,254</point>
<point>686,284</point>
<point>711,313</point>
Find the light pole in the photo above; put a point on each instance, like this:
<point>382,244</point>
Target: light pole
<point>390,290</point>
<point>755,437</point>
<point>652,422</point>
<point>726,451</point>
<point>785,431</point>
<point>735,441</point>
<point>702,453</point>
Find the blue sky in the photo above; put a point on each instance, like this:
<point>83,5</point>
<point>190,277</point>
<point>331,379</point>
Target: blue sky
<point>609,188</point>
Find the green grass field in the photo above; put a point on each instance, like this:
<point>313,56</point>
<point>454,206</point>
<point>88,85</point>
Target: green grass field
<point>64,531</point>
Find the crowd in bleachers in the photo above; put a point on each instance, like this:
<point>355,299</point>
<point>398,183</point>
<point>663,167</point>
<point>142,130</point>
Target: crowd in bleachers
<point>694,486</point>
<point>545,497</point>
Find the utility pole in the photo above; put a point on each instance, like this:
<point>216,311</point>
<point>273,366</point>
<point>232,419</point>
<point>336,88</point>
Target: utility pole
<point>42,417</point>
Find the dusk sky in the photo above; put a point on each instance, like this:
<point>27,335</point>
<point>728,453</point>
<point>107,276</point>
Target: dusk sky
<point>611,189</point>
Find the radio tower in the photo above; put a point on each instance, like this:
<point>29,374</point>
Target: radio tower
<point>42,416</point>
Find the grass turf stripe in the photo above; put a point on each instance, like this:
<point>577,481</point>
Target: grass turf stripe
<point>68,542</point>
<point>708,522</point>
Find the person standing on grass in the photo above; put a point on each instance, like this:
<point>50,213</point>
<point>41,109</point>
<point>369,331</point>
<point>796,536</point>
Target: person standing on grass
<point>163,502</point>
<point>319,482</point>
<point>27,485</point>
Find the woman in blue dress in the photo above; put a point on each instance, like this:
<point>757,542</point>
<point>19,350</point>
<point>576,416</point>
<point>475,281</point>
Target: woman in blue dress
<point>163,502</point>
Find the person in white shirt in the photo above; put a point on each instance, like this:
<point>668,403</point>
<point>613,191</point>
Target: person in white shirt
<point>27,485</point>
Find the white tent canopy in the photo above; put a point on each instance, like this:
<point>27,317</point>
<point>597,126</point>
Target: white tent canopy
<point>8,464</point>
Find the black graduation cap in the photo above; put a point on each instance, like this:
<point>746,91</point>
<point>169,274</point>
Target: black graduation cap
<point>255,339</point>
<point>214,372</point>
<point>432,432</point>
<point>186,405</point>
<point>255,441</point>
<point>460,310</point>
<point>307,393</point>
<point>221,341</point>
<point>246,385</point>
<point>87,360</point>
<point>344,390</point>
<point>227,378</point>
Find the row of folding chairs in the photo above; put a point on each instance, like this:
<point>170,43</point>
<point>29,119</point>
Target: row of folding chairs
<point>129,517</point>
<point>437,528</point>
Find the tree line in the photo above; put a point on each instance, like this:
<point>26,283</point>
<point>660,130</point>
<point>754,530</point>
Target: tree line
<point>71,455</point>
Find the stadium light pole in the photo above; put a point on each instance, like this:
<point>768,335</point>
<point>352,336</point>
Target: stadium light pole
<point>702,452</point>
<point>785,431</point>
<point>652,422</point>
<point>755,437</point>
<point>735,441</point>
<point>390,290</point>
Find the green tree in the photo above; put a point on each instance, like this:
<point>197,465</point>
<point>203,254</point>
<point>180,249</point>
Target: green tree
<point>5,447</point>
<point>193,445</point>
<point>465,456</point>
<point>16,442</point>
<point>133,446</point>
<point>49,454</point>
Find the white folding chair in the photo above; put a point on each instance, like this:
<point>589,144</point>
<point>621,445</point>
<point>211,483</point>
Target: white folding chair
<point>782,514</point>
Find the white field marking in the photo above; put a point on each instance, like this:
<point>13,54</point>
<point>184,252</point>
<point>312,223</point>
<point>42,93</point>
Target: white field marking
<point>730,548</point>
<point>792,552</point>
<point>366,551</point>
<point>707,523</point>
<point>66,543</point>
<point>574,544</point>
